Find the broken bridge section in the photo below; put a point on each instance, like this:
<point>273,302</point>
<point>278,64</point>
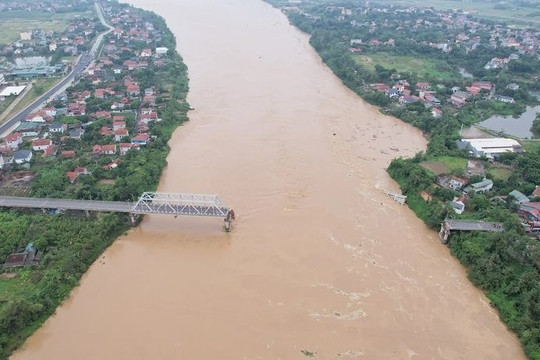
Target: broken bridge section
<point>467,225</point>
<point>149,203</point>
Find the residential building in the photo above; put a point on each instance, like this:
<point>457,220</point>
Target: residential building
<point>479,187</point>
<point>22,156</point>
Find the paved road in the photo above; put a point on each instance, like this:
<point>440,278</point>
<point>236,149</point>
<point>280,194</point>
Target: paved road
<point>37,203</point>
<point>84,60</point>
<point>472,225</point>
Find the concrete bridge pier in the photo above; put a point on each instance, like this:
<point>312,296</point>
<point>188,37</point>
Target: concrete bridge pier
<point>444,233</point>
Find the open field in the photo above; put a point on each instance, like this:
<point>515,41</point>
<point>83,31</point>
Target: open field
<point>422,67</point>
<point>40,87</point>
<point>501,173</point>
<point>531,146</point>
<point>445,165</point>
<point>486,10</point>
<point>12,23</point>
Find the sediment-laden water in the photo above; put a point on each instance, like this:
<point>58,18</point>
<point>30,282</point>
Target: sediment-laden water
<point>320,260</point>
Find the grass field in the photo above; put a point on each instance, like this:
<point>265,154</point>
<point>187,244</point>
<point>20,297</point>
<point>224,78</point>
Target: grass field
<point>445,165</point>
<point>40,87</point>
<point>421,67</point>
<point>531,145</point>
<point>485,10</point>
<point>500,173</point>
<point>12,23</point>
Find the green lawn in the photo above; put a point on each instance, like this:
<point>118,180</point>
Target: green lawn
<point>12,23</point>
<point>455,164</point>
<point>423,67</point>
<point>40,87</point>
<point>500,173</point>
<point>531,145</point>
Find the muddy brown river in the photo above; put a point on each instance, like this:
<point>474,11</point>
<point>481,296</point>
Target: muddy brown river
<point>320,259</point>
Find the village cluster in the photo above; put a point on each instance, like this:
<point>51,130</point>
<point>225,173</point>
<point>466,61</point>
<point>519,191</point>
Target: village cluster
<point>108,112</point>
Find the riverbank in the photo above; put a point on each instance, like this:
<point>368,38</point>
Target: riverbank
<point>512,294</point>
<point>68,244</point>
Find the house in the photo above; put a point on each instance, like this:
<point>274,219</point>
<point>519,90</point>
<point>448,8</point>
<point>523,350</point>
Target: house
<point>120,133</point>
<point>5,150</point>
<point>102,114</point>
<point>479,187</point>
<point>22,156</point>
<point>520,198</point>
<point>146,53</point>
<point>130,64</point>
<point>512,86</point>
<point>458,205</point>
<point>536,192</point>
<point>423,86</point>
<point>142,128</point>
<point>380,87</point>
<point>41,144</point>
<point>505,99</point>
<point>106,131</point>
<point>29,129</point>
<point>104,150</point>
<point>50,151</point>
<point>125,147</point>
<point>36,117</point>
<point>14,140</point>
<point>73,175</point>
<point>117,106</point>
<point>408,99</point>
<point>531,210</point>
<point>49,111</point>
<point>76,109</point>
<point>119,124</point>
<point>133,90</point>
<point>161,51</point>
<point>112,165</point>
<point>76,134</point>
<point>30,256</point>
<point>141,139</point>
<point>459,98</point>
<point>67,154</point>
<point>57,128</point>
<point>436,112</point>
<point>457,182</point>
<point>99,93</point>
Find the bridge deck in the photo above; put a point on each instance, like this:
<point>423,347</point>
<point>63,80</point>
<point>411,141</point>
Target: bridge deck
<point>473,225</point>
<point>175,204</point>
<point>67,204</point>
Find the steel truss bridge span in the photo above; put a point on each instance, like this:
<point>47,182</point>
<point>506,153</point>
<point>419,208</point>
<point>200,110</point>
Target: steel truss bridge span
<point>149,203</point>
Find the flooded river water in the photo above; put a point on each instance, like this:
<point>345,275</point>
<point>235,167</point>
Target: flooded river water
<point>320,260</point>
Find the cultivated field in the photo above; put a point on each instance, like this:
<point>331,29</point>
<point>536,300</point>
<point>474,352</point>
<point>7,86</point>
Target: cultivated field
<point>421,67</point>
<point>507,12</point>
<point>12,23</point>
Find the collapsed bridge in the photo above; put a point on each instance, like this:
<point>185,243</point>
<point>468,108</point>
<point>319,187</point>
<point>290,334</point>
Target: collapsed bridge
<point>149,203</point>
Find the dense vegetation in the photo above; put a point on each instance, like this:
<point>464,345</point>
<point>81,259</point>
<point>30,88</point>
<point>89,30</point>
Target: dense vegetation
<point>506,265</point>
<point>71,244</point>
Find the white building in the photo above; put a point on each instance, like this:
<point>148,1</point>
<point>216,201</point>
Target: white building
<point>2,79</point>
<point>161,50</point>
<point>27,35</point>
<point>492,147</point>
